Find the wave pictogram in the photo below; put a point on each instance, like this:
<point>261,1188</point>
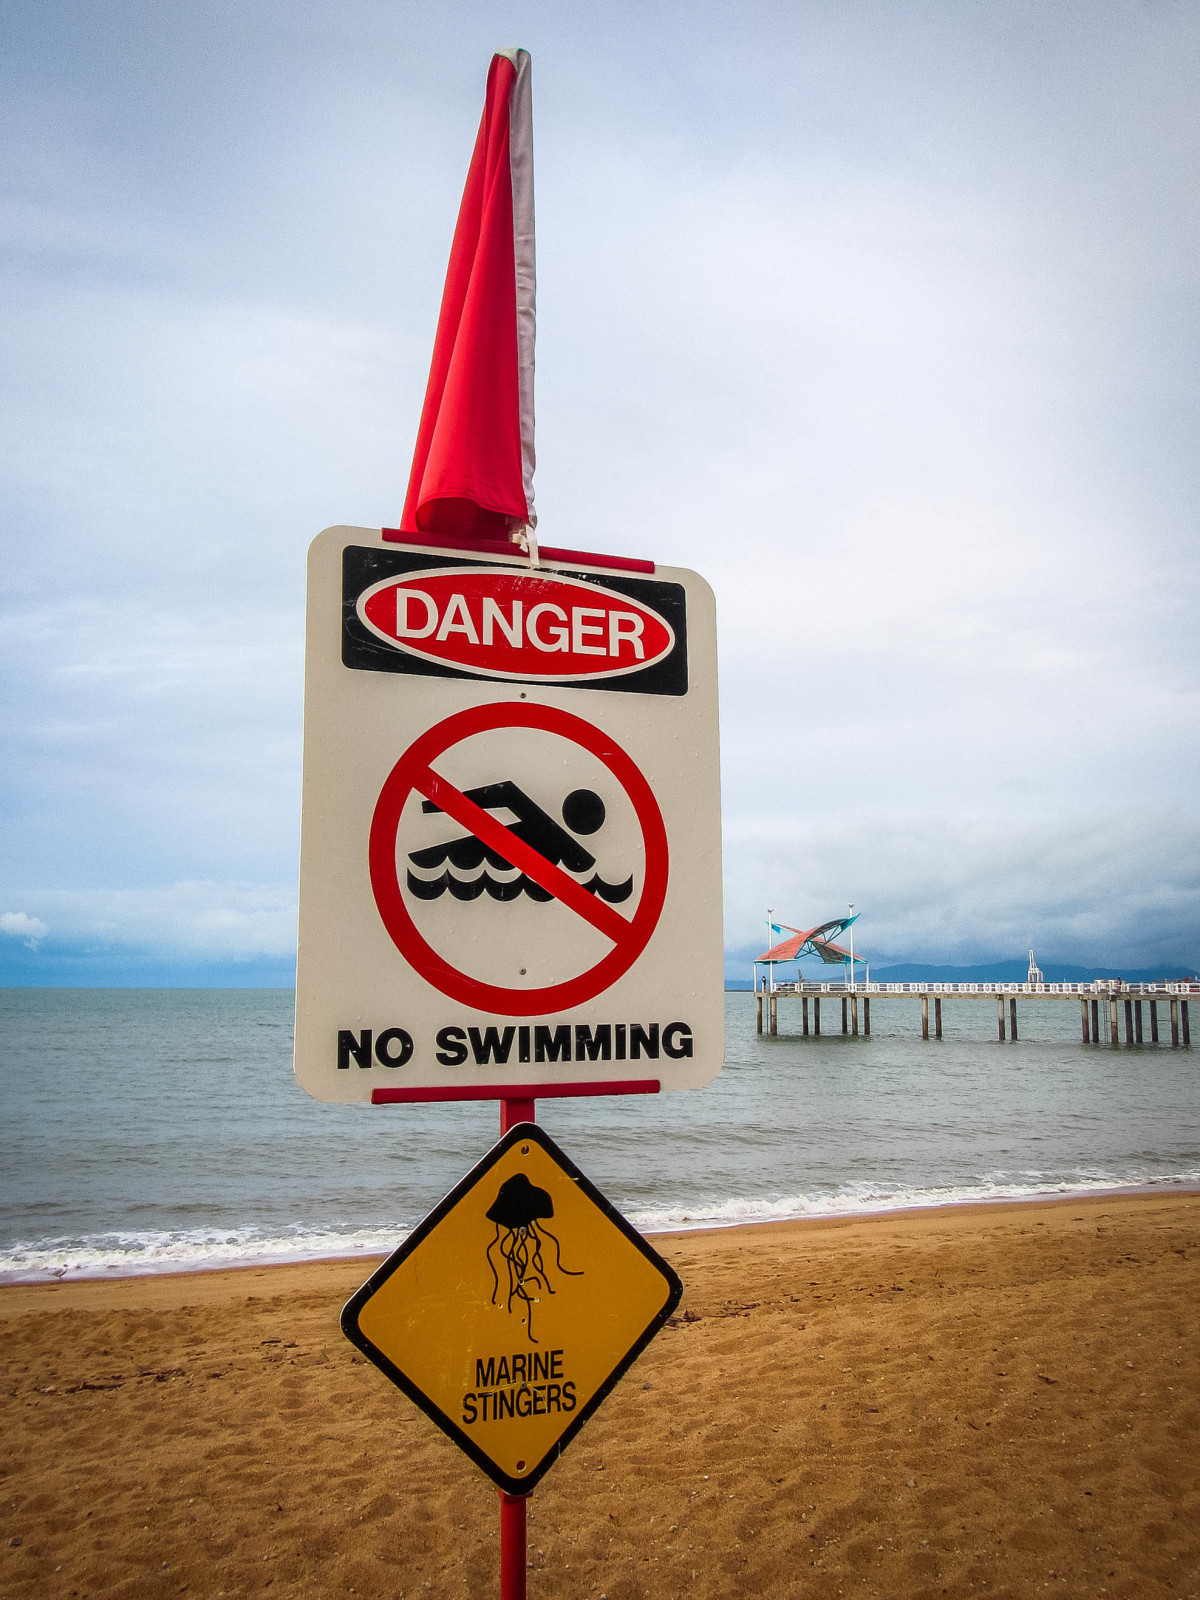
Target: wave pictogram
<point>466,868</point>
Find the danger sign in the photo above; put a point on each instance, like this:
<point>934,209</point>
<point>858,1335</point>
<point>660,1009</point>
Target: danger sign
<point>410,613</point>
<point>511,838</point>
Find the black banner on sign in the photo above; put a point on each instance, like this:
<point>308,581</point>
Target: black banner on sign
<point>549,625</point>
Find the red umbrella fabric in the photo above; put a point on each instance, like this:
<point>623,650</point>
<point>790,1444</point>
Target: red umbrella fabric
<point>472,471</point>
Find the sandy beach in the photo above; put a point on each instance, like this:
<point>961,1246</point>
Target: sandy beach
<point>980,1400</point>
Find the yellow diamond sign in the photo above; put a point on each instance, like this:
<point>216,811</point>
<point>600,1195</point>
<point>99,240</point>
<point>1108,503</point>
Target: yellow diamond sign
<point>513,1309</point>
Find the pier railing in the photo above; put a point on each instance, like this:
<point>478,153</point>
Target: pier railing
<point>1064,991</point>
<point>1100,1005</point>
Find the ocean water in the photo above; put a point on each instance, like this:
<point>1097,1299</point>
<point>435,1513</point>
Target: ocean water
<point>158,1129</point>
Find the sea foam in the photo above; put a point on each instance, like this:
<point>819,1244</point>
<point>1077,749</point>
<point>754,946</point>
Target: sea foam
<point>112,1255</point>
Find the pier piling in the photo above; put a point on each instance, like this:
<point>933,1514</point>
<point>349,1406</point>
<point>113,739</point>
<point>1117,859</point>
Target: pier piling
<point>758,1012</point>
<point>1114,1030</point>
<point>804,1016</point>
<point>1174,1024</point>
<point>1000,1017</point>
<point>1129,1022</point>
<point>924,1016</point>
<point>1012,1018</point>
<point>1154,1022</point>
<point>854,1015</point>
<point>866,1014</point>
<point>1137,1021</point>
<point>937,1016</point>
<point>844,1027</point>
<point>1187,1032</point>
<point>774,1024</point>
<point>817,1014</point>
<point>1083,1021</point>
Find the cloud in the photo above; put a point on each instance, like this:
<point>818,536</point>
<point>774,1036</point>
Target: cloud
<point>879,317</point>
<point>1117,885</point>
<point>219,921</point>
<point>19,925</point>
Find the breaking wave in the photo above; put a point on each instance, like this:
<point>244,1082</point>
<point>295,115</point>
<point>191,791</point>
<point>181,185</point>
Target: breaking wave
<point>116,1255</point>
<point>865,1199</point>
<point>108,1255</point>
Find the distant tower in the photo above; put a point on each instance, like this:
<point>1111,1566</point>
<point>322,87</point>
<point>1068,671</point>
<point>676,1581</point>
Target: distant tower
<point>1035,972</point>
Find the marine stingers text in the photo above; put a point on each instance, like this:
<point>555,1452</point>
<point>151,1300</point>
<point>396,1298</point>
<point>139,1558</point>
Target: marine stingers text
<point>522,1385</point>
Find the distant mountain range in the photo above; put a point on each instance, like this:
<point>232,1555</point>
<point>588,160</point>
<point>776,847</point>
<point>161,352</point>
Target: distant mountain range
<point>1018,971</point>
<point>997,972</point>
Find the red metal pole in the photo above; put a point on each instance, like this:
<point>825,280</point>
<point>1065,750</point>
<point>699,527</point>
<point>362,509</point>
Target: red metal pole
<point>512,1546</point>
<point>514,1111</point>
<point>512,1507</point>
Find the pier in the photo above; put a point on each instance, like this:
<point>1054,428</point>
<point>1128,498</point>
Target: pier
<point>1109,1012</point>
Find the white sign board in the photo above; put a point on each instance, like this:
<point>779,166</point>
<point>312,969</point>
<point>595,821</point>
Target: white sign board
<point>510,853</point>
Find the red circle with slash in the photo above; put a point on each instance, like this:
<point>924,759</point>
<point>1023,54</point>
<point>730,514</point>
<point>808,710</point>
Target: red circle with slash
<point>414,772</point>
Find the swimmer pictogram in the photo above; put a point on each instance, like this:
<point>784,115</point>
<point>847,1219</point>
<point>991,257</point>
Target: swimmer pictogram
<point>520,1212</point>
<point>470,867</point>
<point>405,880</point>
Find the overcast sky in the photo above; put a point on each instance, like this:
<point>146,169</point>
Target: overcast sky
<point>882,316</point>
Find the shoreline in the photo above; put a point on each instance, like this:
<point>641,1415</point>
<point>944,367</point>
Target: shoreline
<point>49,1277</point>
<point>216,1281</point>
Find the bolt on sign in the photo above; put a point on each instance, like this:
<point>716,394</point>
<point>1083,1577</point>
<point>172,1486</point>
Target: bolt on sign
<point>514,1308</point>
<point>510,858</point>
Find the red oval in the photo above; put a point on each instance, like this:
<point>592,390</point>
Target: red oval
<point>532,625</point>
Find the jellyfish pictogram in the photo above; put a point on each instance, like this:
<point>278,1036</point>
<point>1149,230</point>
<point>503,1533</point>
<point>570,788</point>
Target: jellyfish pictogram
<point>520,1212</point>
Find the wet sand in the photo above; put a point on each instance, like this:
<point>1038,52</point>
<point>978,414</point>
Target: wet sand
<point>995,1400</point>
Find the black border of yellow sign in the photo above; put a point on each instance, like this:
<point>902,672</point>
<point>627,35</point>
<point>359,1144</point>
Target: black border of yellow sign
<point>523,1133</point>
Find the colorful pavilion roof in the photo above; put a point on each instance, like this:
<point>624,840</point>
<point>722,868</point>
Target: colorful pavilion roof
<point>811,942</point>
